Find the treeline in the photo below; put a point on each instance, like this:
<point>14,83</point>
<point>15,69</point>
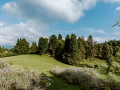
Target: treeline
<point>70,50</point>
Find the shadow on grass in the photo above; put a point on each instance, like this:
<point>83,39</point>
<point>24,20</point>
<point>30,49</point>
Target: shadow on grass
<point>60,84</point>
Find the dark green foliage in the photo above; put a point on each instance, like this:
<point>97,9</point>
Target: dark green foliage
<point>99,50</point>
<point>66,49</point>
<point>81,48</point>
<point>33,48</point>
<point>53,42</point>
<point>60,37</point>
<point>90,48</point>
<point>59,49</point>
<point>42,45</point>
<point>21,47</point>
<point>73,49</point>
<point>107,50</point>
<point>110,65</point>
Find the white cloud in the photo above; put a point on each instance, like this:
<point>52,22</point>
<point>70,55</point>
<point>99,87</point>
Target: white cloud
<point>111,1</point>
<point>9,34</point>
<point>118,9</point>
<point>68,10</point>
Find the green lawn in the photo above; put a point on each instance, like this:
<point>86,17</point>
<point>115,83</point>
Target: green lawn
<point>43,64</point>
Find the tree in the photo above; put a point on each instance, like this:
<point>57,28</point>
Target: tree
<point>90,48</point>
<point>106,51</point>
<point>42,45</point>
<point>99,50</point>
<point>33,48</point>
<point>59,49</point>
<point>52,45</point>
<point>81,47</point>
<point>21,47</point>
<point>60,37</point>
<point>66,49</point>
<point>73,49</point>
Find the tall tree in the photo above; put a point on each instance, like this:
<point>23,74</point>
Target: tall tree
<point>107,51</point>
<point>53,42</point>
<point>81,47</point>
<point>21,47</point>
<point>33,48</point>
<point>60,37</point>
<point>42,45</point>
<point>66,49</point>
<point>73,49</point>
<point>90,46</point>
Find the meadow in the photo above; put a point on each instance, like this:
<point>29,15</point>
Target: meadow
<point>46,64</point>
<point>42,64</point>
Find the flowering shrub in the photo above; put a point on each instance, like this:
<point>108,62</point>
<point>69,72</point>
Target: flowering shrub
<point>87,78</point>
<point>19,79</point>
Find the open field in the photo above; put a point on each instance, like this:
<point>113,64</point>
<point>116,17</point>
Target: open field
<point>43,64</point>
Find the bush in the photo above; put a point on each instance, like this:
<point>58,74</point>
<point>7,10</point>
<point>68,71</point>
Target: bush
<point>88,79</point>
<point>19,79</point>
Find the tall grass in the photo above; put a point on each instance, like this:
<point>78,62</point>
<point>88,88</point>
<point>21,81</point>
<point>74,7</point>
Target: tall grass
<point>19,79</point>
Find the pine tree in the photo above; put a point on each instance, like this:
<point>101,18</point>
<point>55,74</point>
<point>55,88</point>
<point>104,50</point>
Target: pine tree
<point>53,45</point>
<point>66,47</point>
<point>33,48</point>
<point>105,51</point>
<point>81,47</point>
<point>73,49</point>
<point>60,37</point>
<point>42,45</point>
<point>90,48</point>
<point>21,47</point>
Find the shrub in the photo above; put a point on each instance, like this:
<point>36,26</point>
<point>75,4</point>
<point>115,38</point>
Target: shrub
<point>88,79</point>
<point>20,79</point>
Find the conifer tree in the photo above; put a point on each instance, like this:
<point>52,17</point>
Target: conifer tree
<point>90,48</point>
<point>60,37</point>
<point>73,49</point>
<point>33,48</point>
<point>81,47</point>
<point>21,47</point>
<point>42,45</point>
<point>53,45</point>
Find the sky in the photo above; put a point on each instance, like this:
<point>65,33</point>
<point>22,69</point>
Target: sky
<point>32,19</point>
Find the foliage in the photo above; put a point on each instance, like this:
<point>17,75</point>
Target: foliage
<point>42,45</point>
<point>90,46</point>
<point>21,47</point>
<point>53,42</point>
<point>33,48</point>
<point>19,79</point>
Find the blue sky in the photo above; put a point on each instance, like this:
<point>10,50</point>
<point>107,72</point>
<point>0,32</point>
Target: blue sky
<point>32,19</point>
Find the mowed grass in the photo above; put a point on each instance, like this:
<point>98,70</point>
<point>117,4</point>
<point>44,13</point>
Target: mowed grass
<point>42,64</point>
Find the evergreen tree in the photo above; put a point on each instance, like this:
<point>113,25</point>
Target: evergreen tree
<point>99,50</point>
<point>90,48</point>
<point>33,48</point>
<point>21,47</point>
<point>73,49</point>
<point>60,37</point>
<point>59,49</point>
<point>53,45</point>
<point>66,53</point>
<point>105,51</point>
<point>42,45</point>
<point>81,47</point>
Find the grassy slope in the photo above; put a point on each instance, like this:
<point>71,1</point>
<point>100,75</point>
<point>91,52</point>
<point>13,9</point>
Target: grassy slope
<point>43,64</point>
